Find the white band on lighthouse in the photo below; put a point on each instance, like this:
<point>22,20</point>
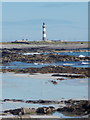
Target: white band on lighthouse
<point>44,35</point>
<point>44,29</point>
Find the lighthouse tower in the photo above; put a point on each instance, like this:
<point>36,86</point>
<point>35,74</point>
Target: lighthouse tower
<point>44,32</point>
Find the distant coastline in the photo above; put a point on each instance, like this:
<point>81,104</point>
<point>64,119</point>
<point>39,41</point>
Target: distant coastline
<point>54,45</point>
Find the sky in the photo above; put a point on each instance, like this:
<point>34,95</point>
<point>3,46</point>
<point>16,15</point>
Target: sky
<point>64,20</point>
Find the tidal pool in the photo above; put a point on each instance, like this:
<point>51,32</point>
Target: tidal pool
<point>39,86</point>
<point>21,65</point>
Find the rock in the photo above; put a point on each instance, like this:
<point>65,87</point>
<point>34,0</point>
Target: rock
<point>71,71</point>
<point>61,79</point>
<point>13,100</point>
<point>69,75</point>
<point>28,110</point>
<point>54,82</point>
<point>21,111</point>
<point>45,110</point>
<point>14,111</point>
<point>9,55</point>
<point>81,107</point>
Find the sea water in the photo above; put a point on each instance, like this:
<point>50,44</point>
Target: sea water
<point>39,86</point>
<point>35,87</point>
<point>75,53</point>
<point>61,53</point>
<point>21,65</point>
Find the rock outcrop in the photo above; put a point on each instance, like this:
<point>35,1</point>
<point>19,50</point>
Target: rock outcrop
<point>76,107</point>
<point>21,111</point>
<point>14,55</point>
<point>45,110</point>
<point>53,69</point>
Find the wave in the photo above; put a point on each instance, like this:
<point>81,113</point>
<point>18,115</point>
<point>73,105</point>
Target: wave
<point>81,56</point>
<point>68,64</point>
<point>85,63</point>
<point>38,63</point>
<point>31,53</point>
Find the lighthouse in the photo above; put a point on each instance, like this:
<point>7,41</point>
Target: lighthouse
<point>44,32</point>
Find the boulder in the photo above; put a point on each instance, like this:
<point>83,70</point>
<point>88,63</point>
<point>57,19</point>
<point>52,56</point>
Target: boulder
<point>45,110</point>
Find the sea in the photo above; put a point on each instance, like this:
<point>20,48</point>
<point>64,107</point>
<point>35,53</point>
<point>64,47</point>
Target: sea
<point>39,86</point>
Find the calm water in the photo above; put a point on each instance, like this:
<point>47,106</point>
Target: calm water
<point>25,86</point>
<point>62,53</point>
<point>75,53</point>
<point>20,65</point>
<point>35,87</point>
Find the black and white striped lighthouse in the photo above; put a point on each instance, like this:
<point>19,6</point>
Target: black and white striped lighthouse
<point>44,32</point>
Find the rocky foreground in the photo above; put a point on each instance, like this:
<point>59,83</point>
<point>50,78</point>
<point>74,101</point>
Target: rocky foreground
<point>10,55</point>
<point>80,72</point>
<point>75,107</point>
<point>16,54</point>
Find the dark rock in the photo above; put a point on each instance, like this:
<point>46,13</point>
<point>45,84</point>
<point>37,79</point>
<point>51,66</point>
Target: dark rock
<point>54,82</point>
<point>69,75</point>
<point>21,111</point>
<point>45,110</point>
<point>9,55</point>
<point>81,107</point>
<point>80,72</point>
<point>15,111</point>
<point>61,79</point>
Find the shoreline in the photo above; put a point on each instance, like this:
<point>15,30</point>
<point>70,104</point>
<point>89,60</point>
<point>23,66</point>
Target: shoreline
<point>39,55</point>
<point>63,71</point>
<point>44,103</point>
<point>74,107</point>
<point>59,45</point>
<point>77,107</point>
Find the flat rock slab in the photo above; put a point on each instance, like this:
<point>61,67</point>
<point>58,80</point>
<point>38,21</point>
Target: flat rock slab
<point>68,75</point>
